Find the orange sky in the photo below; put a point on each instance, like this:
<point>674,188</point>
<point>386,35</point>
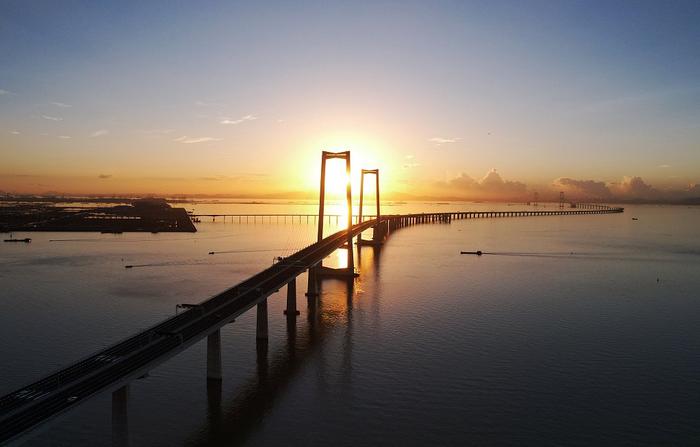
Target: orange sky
<point>449,100</point>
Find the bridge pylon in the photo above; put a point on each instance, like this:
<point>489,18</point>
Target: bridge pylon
<point>348,271</point>
<point>378,232</point>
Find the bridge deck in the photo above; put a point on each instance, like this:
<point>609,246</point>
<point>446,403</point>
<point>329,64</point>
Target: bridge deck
<point>114,366</point>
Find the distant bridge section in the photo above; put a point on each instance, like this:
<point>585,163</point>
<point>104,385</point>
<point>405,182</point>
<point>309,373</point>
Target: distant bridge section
<point>336,218</point>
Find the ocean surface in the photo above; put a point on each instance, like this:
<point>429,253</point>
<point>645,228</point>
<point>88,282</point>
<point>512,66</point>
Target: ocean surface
<point>576,330</point>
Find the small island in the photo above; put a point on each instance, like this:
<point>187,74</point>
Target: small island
<point>141,215</point>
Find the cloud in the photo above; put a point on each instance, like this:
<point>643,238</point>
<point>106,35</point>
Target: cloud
<point>239,120</point>
<point>586,188</point>
<point>410,162</point>
<point>188,140</point>
<point>14,132</point>
<point>664,166</point>
<point>158,131</point>
<point>236,177</point>
<point>104,176</point>
<point>4,92</point>
<point>634,188</point>
<point>61,104</point>
<point>494,181</point>
<point>52,118</point>
<point>99,133</point>
<point>492,185</point>
<point>440,140</point>
<point>629,188</point>
<point>64,137</point>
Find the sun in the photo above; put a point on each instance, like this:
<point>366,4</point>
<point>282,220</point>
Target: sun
<point>366,153</point>
<point>336,179</point>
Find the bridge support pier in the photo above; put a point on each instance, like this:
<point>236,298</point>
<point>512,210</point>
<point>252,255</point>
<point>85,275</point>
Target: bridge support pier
<point>312,288</point>
<point>291,310</point>
<point>120,421</point>
<point>261,332</point>
<point>214,356</point>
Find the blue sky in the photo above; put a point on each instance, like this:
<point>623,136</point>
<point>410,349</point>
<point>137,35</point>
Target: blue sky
<point>160,96</point>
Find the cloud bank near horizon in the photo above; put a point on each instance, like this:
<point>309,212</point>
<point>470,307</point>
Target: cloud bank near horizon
<point>492,186</point>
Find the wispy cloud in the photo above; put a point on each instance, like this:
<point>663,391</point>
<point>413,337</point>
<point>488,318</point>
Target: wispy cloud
<point>239,120</point>
<point>104,176</point>
<point>4,92</point>
<point>441,140</point>
<point>158,131</point>
<point>248,176</point>
<point>14,132</point>
<point>664,166</point>
<point>61,104</point>
<point>410,163</point>
<point>52,118</point>
<point>64,137</point>
<point>99,133</point>
<point>189,140</point>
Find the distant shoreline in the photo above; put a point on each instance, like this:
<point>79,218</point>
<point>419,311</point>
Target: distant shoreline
<point>232,200</point>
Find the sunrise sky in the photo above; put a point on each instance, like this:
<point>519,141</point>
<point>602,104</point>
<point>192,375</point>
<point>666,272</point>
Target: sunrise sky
<point>448,99</point>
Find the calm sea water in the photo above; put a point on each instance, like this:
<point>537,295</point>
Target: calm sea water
<point>578,330</point>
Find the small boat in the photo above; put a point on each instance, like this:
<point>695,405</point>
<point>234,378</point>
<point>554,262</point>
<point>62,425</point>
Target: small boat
<point>25,240</point>
<point>634,218</point>
<point>478,252</point>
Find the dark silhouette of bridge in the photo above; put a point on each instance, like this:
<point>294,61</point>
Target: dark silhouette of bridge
<point>113,368</point>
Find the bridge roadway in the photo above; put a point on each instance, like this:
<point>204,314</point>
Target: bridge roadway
<point>117,365</point>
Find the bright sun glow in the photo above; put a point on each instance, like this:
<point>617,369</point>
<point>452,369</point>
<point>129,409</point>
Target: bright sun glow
<point>336,179</point>
<point>366,153</point>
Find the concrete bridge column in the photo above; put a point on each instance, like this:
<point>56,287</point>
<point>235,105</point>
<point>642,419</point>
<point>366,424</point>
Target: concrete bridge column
<point>261,332</point>
<point>120,421</point>
<point>312,288</point>
<point>379,232</point>
<point>291,310</point>
<point>214,356</point>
